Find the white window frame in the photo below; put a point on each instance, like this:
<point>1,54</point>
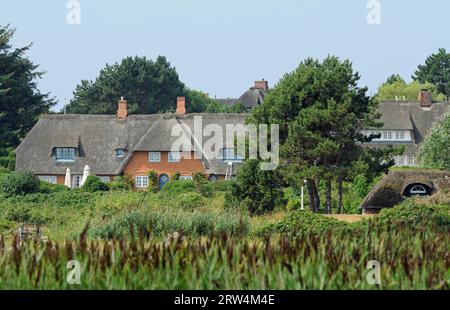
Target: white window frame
<point>51,179</point>
<point>141,181</point>
<point>105,179</point>
<point>65,150</point>
<point>185,177</point>
<point>154,157</point>
<point>76,181</point>
<point>174,159</point>
<point>411,160</point>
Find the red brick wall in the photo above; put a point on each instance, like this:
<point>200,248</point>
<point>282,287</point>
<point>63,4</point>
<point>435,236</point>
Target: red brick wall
<point>60,179</point>
<point>140,165</point>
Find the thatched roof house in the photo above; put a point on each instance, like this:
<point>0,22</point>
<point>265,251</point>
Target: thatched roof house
<point>408,123</point>
<point>112,145</point>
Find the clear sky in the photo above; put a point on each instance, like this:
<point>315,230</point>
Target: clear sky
<point>222,47</point>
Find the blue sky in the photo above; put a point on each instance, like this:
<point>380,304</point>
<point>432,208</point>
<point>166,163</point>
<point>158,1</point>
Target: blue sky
<point>221,47</point>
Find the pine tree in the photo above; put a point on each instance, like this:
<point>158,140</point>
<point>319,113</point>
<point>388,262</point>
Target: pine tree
<point>21,103</point>
<point>436,70</point>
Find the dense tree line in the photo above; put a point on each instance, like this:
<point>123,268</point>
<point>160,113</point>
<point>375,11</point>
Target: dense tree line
<point>433,75</point>
<point>149,86</point>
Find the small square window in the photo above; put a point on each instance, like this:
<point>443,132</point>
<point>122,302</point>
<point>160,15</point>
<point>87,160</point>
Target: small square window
<point>174,157</point>
<point>154,157</point>
<point>141,181</point>
<point>120,153</point>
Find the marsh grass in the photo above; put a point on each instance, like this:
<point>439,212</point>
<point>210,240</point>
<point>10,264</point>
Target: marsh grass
<point>332,260</point>
<point>141,240</point>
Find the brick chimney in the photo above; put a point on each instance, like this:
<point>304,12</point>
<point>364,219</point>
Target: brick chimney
<point>425,100</point>
<point>122,111</point>
<point>181,106</point>
<point>263,85</point>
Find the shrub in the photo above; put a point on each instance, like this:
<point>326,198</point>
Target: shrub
<point>176,188</point>
<point>361,186</point>
<point>199,180</point>
<point>191,201</point>
<point>8,163</point>
<point>206,190</point>
<point>201,185</point>
<point>122,183</point>
<point>19,183</point>
<point>409,215</point>
<point>221,186</point>
<point>306,222</point>
<point>153,181</point>
<point>434,151</point>
<point>161,222</point>
<point>256,190</point>
<point>12,164</point>
<point>293,204</point>
<point>94,184</point>
<point>175,176</point>
<point>47,188</point>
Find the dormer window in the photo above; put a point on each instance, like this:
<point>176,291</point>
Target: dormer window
<point>120,153</point>
<point>65,154</point>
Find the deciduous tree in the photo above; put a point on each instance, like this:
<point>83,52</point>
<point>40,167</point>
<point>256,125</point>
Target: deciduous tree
<point>434,152</point>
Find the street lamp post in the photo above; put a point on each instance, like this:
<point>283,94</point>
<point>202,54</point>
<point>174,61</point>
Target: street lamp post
<point>303,197</point>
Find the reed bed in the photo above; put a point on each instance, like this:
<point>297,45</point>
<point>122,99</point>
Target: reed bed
<point>409,258</point>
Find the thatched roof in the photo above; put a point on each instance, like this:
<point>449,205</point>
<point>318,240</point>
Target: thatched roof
<point>98,136</point>
<point>409,115</point>
<point>251,98</point>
